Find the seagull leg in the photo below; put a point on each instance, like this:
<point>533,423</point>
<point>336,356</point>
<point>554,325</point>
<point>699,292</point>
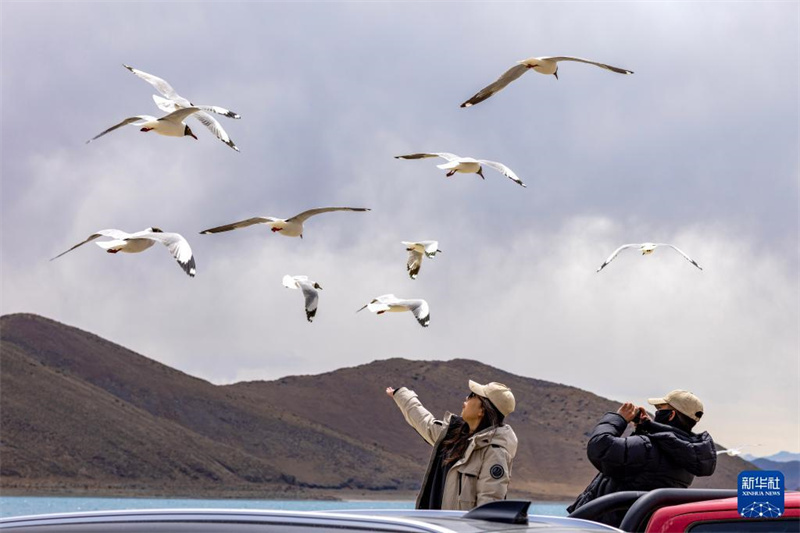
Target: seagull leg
<point>112,251</point>
<point>145,129</point>
<point>450,173</point>
<point>274,230</point>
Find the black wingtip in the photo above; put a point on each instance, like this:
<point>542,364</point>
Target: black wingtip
<point>189,267</point>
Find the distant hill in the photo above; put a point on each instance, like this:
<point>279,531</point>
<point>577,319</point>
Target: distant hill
<point>80,413</point>
<point>780,457</point>
<point>790,469</point>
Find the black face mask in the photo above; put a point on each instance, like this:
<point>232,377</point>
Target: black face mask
<point>662,416</point>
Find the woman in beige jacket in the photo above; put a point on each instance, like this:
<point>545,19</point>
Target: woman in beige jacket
<point>472,453</point>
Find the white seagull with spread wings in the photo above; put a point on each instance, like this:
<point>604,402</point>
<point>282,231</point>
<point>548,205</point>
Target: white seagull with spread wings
<point>169,125</point>
<point>466,165</point>
<point>174,101</point>
<point>290,227</point>
<point>416,251</point>
<point>393,304</point>
<point>646,248</point>
<point>309,289</point>
<point>542,65</point>
<point>140,241</point>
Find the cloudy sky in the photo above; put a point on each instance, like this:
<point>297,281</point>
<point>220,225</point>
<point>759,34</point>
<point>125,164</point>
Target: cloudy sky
<point>698,148</point>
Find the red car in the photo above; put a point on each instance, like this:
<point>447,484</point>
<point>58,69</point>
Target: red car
<point>716,516</point>
<point>689,511</point>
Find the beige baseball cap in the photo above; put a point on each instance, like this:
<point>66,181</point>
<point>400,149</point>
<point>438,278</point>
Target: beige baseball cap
<point>497,393</point>
<point>683,401</point>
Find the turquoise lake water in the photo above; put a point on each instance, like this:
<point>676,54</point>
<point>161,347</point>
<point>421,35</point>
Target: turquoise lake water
<point>21,505</point>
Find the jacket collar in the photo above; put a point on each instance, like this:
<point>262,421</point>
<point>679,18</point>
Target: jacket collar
<point>502,436</point>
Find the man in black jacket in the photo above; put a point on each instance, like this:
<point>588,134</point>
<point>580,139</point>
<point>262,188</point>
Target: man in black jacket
<point>660,453</point>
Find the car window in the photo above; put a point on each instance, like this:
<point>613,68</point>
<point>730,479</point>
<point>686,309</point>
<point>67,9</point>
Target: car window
<point>789,525</point>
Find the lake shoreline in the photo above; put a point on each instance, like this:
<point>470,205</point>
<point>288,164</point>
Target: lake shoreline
<point>283,494</point>
<point>11,506</point>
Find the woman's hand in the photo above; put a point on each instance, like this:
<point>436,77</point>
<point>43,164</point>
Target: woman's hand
<point>390,392</point>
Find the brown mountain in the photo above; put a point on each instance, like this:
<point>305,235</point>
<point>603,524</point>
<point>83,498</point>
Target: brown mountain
<point>80,413</point>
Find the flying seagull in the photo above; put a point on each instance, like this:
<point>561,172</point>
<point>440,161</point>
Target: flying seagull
<point>733,452</point>
<point>174,101</point>
<point>291,227</point>
<point>309,289</point>
<point>465,165</point>
<point>393,304</point>
<point>415,254</point>
<point>170,125</point>
<point>646,249</point>
<point>140,241</point>
<point>542,65</point>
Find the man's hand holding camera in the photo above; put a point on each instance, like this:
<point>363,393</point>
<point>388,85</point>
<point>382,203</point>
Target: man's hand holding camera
<point>632,413</point>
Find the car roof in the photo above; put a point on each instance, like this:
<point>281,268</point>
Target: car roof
<point>451,517</point>
<point>422,521</point>
<point>791,499</point>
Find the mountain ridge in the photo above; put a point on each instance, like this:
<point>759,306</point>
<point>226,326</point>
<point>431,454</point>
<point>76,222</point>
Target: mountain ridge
<point>82,413</point>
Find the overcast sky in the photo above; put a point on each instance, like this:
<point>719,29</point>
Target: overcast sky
<point>698,148</point>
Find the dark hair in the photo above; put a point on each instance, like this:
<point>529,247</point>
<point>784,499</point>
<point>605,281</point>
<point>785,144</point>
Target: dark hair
<point>457,439</point>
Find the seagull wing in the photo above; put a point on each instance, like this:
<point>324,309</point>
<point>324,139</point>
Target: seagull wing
<point>177,245</point>
<point>129,120</point>
<point>113,233</point>
<point>612,256</point>
<point>431,247</point>
<point>444,155</point>
<point>381,303</point>
<point>305,215</point>
<point>311,296</point>
<point>218,110</point>
<point>160,85</point>
<point>165,104</point>
<point>240,224</point>
<point>590,62</point>
<point>420,310</point>
<point>499,84</point>
<point>180,115</point>
<point>289,282</point>
<point>502,169</point>
<point>215,127</point>
<point>414,263</point>
<point>692,261</point>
